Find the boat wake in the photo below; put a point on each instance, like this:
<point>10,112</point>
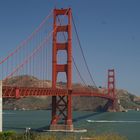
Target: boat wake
<point>111,121</point>
<point>7,113</point>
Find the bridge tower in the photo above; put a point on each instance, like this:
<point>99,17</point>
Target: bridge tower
<point>111,86</point>
<point>62,105</point>
<point>111,82</point>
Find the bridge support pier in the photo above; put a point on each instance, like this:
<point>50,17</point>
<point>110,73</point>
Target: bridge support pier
<point>61,113</point>
<point>0,106</point>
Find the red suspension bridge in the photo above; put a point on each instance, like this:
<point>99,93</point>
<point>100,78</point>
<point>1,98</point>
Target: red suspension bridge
<point>33,58</point>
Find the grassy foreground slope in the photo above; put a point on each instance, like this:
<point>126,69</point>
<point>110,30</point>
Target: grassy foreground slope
<point>9,135</point>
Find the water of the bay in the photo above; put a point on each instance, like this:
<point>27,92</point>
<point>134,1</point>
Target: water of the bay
<point>123,123</point>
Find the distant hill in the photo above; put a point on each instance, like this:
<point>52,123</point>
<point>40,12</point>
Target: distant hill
<point>26,81</point>
<point>127,100</point>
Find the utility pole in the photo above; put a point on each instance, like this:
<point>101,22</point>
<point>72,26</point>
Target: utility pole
<point>0,106</point>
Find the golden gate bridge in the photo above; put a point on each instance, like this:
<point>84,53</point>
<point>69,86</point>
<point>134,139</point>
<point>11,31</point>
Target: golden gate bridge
<point>33,58</point>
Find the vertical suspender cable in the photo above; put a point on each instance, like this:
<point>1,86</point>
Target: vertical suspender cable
<point>23,43</point>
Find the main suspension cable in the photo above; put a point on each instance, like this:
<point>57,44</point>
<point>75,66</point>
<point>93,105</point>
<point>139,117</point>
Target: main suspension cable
<point>26,60</point>
<point>82,51</point>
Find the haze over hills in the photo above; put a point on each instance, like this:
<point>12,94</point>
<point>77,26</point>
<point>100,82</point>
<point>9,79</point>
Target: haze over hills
<point>127,100</point>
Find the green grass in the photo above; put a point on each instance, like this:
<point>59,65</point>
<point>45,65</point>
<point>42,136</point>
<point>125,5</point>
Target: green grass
<point>110,137</point>
<point>11,135</point>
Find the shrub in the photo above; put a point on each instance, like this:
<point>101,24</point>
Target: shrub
<point>8,135</point>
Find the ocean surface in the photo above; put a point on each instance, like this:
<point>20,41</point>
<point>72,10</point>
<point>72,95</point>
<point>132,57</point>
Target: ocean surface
<point>123,123</point>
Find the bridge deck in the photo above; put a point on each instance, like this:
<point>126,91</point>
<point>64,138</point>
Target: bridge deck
<point>19,92</point>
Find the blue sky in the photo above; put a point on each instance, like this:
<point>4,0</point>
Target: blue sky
<point>109,31</point>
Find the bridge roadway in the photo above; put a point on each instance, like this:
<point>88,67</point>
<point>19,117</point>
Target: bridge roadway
<point>20,92</point>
